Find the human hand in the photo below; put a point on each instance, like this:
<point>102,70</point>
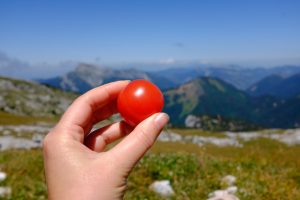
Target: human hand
<point>76,165</point>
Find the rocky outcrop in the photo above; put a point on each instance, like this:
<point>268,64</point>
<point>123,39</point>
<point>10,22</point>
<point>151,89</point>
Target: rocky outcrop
<point>199,140</point>
<point>289,137</point>
<point>191,121</point>
<point>22,136</point>
<point>32,99</point>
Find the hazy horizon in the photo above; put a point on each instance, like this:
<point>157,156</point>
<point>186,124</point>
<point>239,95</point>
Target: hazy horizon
<point>13,67</point>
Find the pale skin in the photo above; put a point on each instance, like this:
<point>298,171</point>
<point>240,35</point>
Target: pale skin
<point>76,165</point>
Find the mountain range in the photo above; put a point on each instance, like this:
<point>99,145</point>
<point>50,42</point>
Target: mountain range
<point>266,97</point>
<point>87,76</point>
<point>278,86</point>
<point>216,98</point>
<point>240,77</point>
<point>194,101</point>
<point>206,96</point>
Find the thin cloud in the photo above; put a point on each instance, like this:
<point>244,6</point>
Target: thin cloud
<point>16,68</point>
<point>10,66</point>
<point>179,45</point>
<point>168,61</point>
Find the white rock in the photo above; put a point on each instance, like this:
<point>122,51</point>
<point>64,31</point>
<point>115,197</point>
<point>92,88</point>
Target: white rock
<point>221,142</point>
<point>6,132</point>
<point>191,121</point>
<point>10,142</point>
<point>228,193</point>
<point>218,193</point>
<point>5,191</point>
<point>224,196</point>
<point>232,189</point>
<point>289,137</point>
<point>162,188</point>
<point>169,137</point>
<point>37,138</point>
<point>28,128</point>
<point>2,176</point>
<point>228,180</point>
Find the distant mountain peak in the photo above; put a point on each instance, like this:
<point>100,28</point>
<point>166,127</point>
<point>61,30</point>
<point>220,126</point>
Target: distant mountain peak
<point>85,66</point>
<point>204,95</point>
<point>91,68</point>
<point>87,76</point>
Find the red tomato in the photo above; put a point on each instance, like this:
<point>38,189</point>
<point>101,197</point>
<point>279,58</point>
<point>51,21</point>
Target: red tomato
<point>139,100</point>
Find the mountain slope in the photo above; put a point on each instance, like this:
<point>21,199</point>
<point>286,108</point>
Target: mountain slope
<point>277,86</point>
<point>213,97</point>
<point>87,76</point>
<point>285,114</point>
<point>206,96</point>
<point>32,99</point>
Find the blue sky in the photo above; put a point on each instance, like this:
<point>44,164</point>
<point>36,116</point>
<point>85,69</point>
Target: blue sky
<point>112,32</point>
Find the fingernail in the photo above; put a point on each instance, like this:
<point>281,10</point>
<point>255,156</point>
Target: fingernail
<point>161,120</point>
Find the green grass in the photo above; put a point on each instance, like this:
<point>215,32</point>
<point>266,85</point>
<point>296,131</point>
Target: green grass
<point>24,169</point>
<point>198,132</point>
<point>265,169</point>
<point>217,85</point>
<point>10,119</point>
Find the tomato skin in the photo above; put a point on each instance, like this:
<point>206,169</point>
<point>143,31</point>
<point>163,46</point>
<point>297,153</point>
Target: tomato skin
<point>139,100</point>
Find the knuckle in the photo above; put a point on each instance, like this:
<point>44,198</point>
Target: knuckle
<point>47,143</point>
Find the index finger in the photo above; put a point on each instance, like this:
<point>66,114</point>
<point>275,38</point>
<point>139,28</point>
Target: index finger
<point>81,111</point>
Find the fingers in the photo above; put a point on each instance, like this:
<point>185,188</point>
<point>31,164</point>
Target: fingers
<point>104,112</point>
<point>136,144</point>
<point>81,113</point>
<point>98,139</point>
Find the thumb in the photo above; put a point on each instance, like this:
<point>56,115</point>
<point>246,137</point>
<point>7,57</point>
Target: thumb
<point>130,150</point>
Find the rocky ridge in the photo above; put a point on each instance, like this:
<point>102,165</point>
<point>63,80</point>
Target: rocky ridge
<point>32,99</point>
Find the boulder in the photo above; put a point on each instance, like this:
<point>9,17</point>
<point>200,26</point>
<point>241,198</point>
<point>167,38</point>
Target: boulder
<point>2,176</point>
<point>163,188</point>
<point>228,180</point>
<point>5,191</point>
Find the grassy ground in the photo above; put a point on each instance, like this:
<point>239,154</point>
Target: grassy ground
<point>25,173</point>
<point>265,169</point>
<point>10,119</point>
